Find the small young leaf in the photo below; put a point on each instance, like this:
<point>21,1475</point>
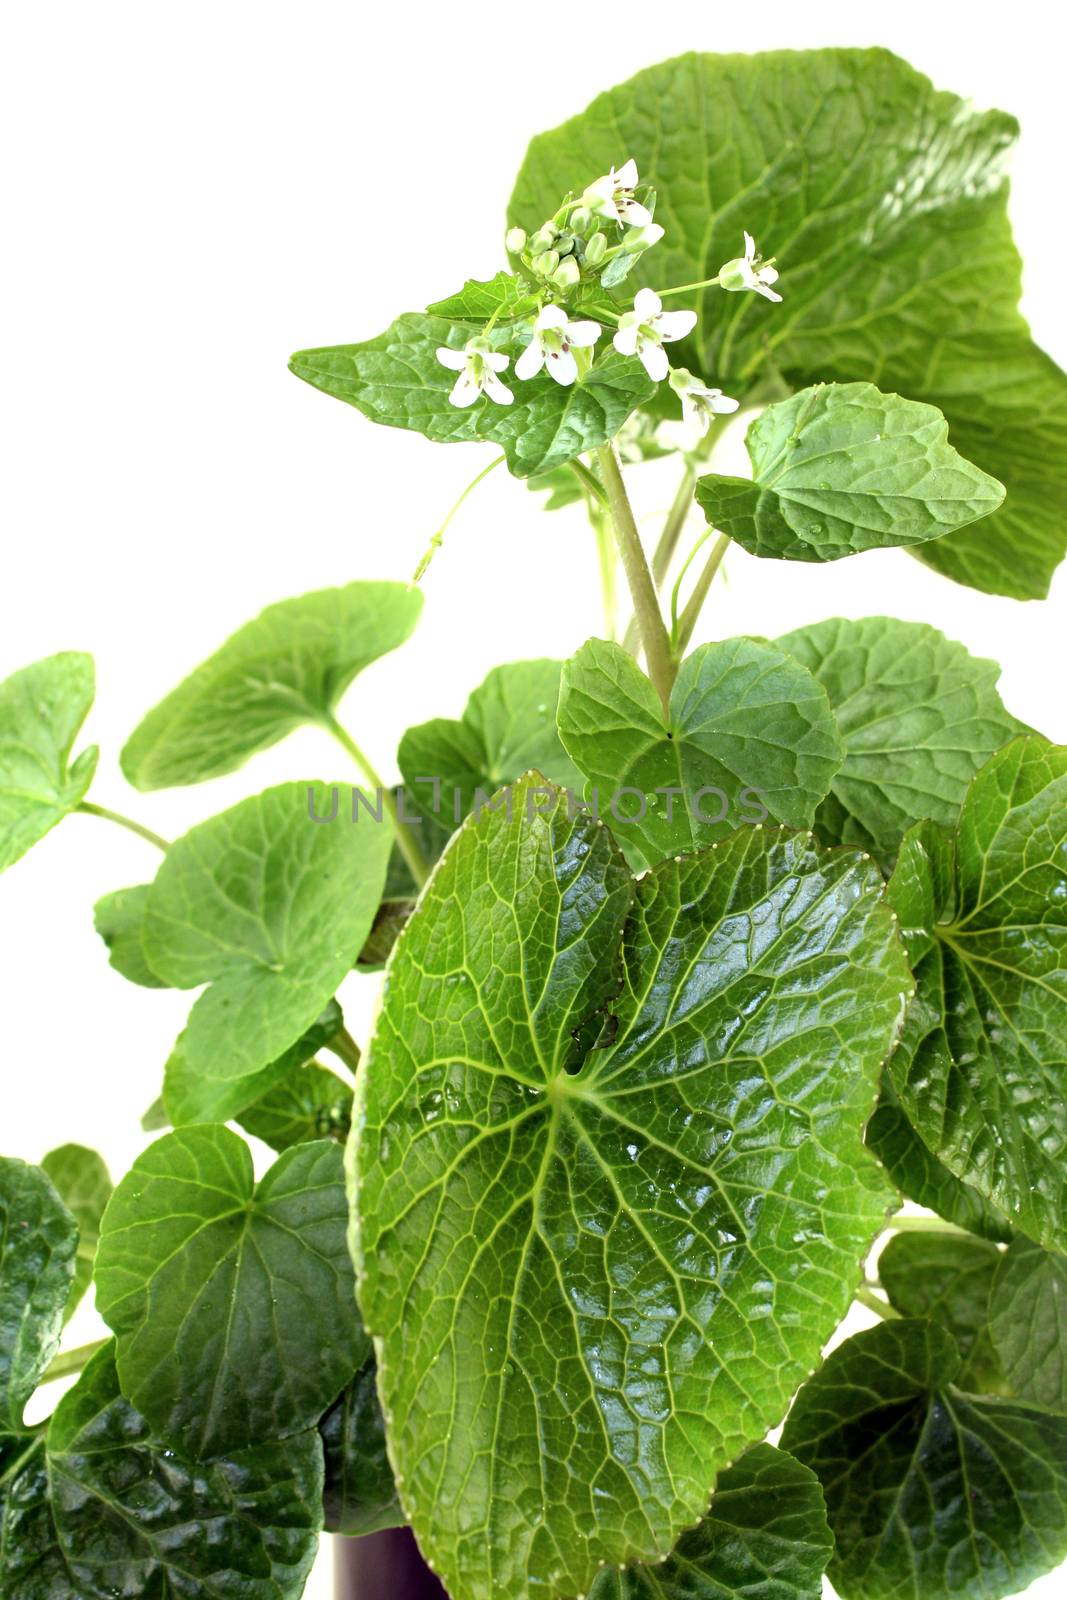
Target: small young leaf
<point>918,716</point>
<point>507,729</point>
<point>41,709</point>
<point>948,1278</point>
<point>931,1493</point>
<point>1028,1323</point>
<point>190,1096</point>
<point>38,1241</point>
<point>562,1178</point>
<point>751,733</point>
<point>290,666</point>
<point>360,1495</point>
<point>232,1302</point>
<point>397,379</point>
<point>504,296</point>
<point>919,1175</point>
<point>979,1071</point>
<point>270,908</point>
<point>765,1536</point>
<point>119,920</point>
<point>83,1183</point>
<point>310,1102</point>
<point>842,468</point>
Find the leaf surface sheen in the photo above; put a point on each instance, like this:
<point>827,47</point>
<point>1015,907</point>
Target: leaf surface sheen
<point>42,708</point>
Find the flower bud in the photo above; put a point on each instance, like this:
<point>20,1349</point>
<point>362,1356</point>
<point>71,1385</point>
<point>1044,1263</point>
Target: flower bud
<point>596,249</point>
<point>546,263</point>
<point>544,238</point>
<point>736,274</point>
<point>515,240</point>
<point>565,243</point>
<point>567,273</point>
<point>581,220</point>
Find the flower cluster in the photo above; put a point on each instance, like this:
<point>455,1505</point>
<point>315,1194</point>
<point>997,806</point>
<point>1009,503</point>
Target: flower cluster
<point>573,261</point>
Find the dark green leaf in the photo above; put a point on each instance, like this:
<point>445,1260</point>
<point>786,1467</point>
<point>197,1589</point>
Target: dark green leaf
<point>119,920</point>
<point>360,1494</point>
<point>921,1177</point>
<point>502,296</point>
<point>38,1241</point>
<point>931,1493</point>
<point>1028,1323</point>
<point>751,734</point>
<point>290,666</point>
<point>397,379</point>
<point>83,1183</point>
<point>980,1068</point>
<point>271,909</point>
<point>918,716</point>
<point>610,1184</point>
<point>948,1277</point>
<point>389,921</point>
<point>310,1102</point>
<point>190,1096</point>
<point>41,709</point>
<point>232,1302</point>
<point>842,468</point>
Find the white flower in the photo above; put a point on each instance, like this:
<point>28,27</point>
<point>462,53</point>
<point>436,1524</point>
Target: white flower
<point>699,403</point>
<point>750,271</point>
<point>477,364</point>
<point>647,328</point>
<point>554,338</point>
<point>613,196</point>
<point>643,238</point>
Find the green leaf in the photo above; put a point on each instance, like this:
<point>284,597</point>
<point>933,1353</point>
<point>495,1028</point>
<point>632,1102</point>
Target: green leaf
<point>397,379</point>
<point>750,734</point>
<point>884,202</point>
<point>310,1102</point>
<point>83,1183</point>
<point>389,921</point>
<point>980,1068</point>
<point>948,1278</point>
<point>271,909</point>
<point>108,1510</point>
<point>918,716</point>
<point>931,1493</point>
<point>609,1169</point>
<point>1028,1323</point>
<point>921,1177</point>
<point>561,485</point>
<point>232,1302</point>
<point>360,1495</point>
<point>41,709</point>
<point>290,666</point>
<point>190,1096</point>
<point>505,295</point>
<point>842,468</point>
<point>765,1536</point>
<point>38,1241</point>
<point>507,729</point>
<point>119,920</point>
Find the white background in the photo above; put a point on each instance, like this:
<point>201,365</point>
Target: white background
<point>193,191</point>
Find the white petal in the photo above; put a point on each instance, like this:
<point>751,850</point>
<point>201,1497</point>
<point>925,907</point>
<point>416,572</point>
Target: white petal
<point>626,176</point>
<point>647,304</point>
<point>768,294</point>
<point>552,317</point>
<point>671,325</point>
<point>465,392</point>
<point>625,341</point>
<point>497,391</point>
<point>721,403</point>
<point>750,247</point>
<point>583,334</point>
<point>496,360</point>
<point>767,274</point>
<point>695,415</point>
<point>562,367</point>
<point>634,214</point>
<point>455,360</point>
<point>531,361</point>
<point>600,196</point>
<point>654,360</point>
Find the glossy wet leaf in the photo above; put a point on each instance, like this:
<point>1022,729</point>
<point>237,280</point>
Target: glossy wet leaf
<point>918,715</point>
<point>231,1301</point>
<point>119,920</point>
<point>42,708</point>
<point>884,202</point>
<point>842,468</point>
<point>309,1102</point>
<point>1028,1323</point>
<point>611,1194</point>
<point>360,1495</point>
<point>980,1068</point>
<point>948,1277</point>
<point>271,910</point>
<point>750,735</point>
<point>397,379</point>
<point>931,1493</point>
<point>507,729</point>
<point>106,1510</point>
<point>289,666</point>
<point>83,1183</point>
<point>766,1535</point>
<point>190,1096</point>
<point>38,1242</point>
<point>919,1175</point>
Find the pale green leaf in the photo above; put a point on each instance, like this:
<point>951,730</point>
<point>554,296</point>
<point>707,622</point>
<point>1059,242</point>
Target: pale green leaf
<point>190,1096</point>
<point>504,295</point>
<point>119,920</point>
<point>83,1183</point>
<point>41,709</point>
<point>1028,1322</point>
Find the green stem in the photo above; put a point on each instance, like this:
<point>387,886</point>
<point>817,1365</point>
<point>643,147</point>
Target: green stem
<point>70,1361</point>
<point>688,620</point>
<point>588,481</point>
<point>408,845</point>
<point>683,288</point>
<point>435,542</point>
<point>345,1048</point>
<point>124,822</point>
<point>923,1225</point>
<point>668,543</point>
<point>866,1296</point>
<point>654,638</point>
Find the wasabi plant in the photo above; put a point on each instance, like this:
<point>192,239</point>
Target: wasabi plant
<point>693,970</point>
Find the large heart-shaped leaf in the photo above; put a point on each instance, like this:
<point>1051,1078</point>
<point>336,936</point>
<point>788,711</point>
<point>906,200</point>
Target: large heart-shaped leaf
<point>981,1065</point>
<point>41,709</point>
<point>83,1183</point>
<point>360,1495</point>
<point>750,734</point>
<point>231,1301</point>
<point>271,909</point>
<point>919,1175</point>
<point>918,716</point>
<point>766,1535</point>
<point>884,202</point>
<point>610,1189</point>
<point>931,1493</point>
<point>289,666</point>
<point>948,1277</point>
<point>397,379</point>
<point>1028,1322</point>
<point>842,468</point>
